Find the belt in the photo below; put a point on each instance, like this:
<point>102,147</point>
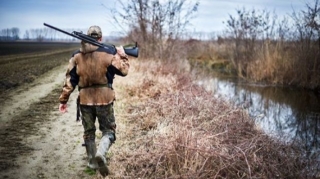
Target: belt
<point>109,85</point>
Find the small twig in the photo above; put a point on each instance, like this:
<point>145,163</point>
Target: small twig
<point>249,168</point>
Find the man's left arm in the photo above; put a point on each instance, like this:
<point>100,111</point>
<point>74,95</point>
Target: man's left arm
<point>121,62</point>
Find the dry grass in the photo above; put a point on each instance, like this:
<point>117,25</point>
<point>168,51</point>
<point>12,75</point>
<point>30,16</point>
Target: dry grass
<point>285,64</point>
<point>269,62</point>
<point>273,64</point>
<point>171,128</point>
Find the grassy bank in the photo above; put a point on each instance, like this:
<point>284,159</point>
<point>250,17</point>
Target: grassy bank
<point>170,128</point>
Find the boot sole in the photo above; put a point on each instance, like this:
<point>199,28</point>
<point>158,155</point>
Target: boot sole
<point>103,169</point>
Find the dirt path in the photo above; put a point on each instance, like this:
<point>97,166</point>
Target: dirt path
<point>39,142</point>
<point>36,140</point>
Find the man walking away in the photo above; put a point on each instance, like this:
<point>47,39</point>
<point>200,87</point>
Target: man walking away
<point>92,69</point>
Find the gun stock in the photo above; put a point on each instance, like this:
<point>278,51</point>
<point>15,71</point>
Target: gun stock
<point>131,51</point>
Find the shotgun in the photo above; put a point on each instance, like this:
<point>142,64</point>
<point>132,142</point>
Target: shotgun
<point>131,51</point>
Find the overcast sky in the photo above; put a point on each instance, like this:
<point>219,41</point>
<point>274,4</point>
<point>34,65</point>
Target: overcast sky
<point>31,14</point>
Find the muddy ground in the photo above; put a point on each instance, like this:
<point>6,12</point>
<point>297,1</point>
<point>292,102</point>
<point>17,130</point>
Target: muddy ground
<point>36,141</point>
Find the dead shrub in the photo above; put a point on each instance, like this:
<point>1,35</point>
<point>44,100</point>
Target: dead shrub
<point>185,132</point>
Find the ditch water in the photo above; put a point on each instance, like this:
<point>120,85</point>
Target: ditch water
<point>290,114</point>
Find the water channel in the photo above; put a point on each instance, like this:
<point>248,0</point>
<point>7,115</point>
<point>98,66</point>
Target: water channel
<point>290,114</point>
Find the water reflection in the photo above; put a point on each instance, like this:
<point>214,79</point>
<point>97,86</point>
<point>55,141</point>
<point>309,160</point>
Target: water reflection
<point>289,114</point>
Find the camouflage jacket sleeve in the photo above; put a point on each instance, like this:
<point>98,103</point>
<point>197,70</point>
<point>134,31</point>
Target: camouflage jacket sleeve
<point>71,81</point>
<point>121,62</point>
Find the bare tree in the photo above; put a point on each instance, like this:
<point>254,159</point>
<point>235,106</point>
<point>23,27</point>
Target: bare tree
<point>248,29</point>
<point>307,46</point>
<point>4,34</point>
<point>26,35</point>
<point>312,19</point>
<point>156,24</point>
<point>10,34</point>
<point>283,29</point>
<point>15,33</point>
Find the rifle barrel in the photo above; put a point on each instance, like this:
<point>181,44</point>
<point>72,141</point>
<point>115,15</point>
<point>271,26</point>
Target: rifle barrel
<point>65,32</point>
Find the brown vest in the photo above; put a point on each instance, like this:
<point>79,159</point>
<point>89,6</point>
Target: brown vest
<point>92,69</point>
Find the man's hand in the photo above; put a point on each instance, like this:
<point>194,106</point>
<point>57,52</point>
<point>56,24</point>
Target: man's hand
<point>121,52</point>
<point>63,108</point>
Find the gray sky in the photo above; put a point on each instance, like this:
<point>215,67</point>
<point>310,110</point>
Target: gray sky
<point>80,14</point>
<point>213,12</point>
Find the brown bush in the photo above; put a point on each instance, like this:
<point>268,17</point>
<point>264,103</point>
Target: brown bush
<point>181,131</point>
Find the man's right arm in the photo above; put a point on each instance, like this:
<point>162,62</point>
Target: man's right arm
<point>71,81</point>
<point>63,108</point>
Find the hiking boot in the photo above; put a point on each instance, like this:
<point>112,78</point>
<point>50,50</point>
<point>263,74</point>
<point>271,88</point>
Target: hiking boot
<point>91,151</point>
<point>100,157</point>
<point>102,165</point>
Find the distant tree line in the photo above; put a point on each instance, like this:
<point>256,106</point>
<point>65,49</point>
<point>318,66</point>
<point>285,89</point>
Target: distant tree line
<point>10,34</point>
<point>37,34</point>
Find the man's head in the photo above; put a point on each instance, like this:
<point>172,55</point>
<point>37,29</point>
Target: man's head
<point>95,32</point>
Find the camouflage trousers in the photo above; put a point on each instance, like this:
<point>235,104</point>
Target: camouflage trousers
<point>105,116</point>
